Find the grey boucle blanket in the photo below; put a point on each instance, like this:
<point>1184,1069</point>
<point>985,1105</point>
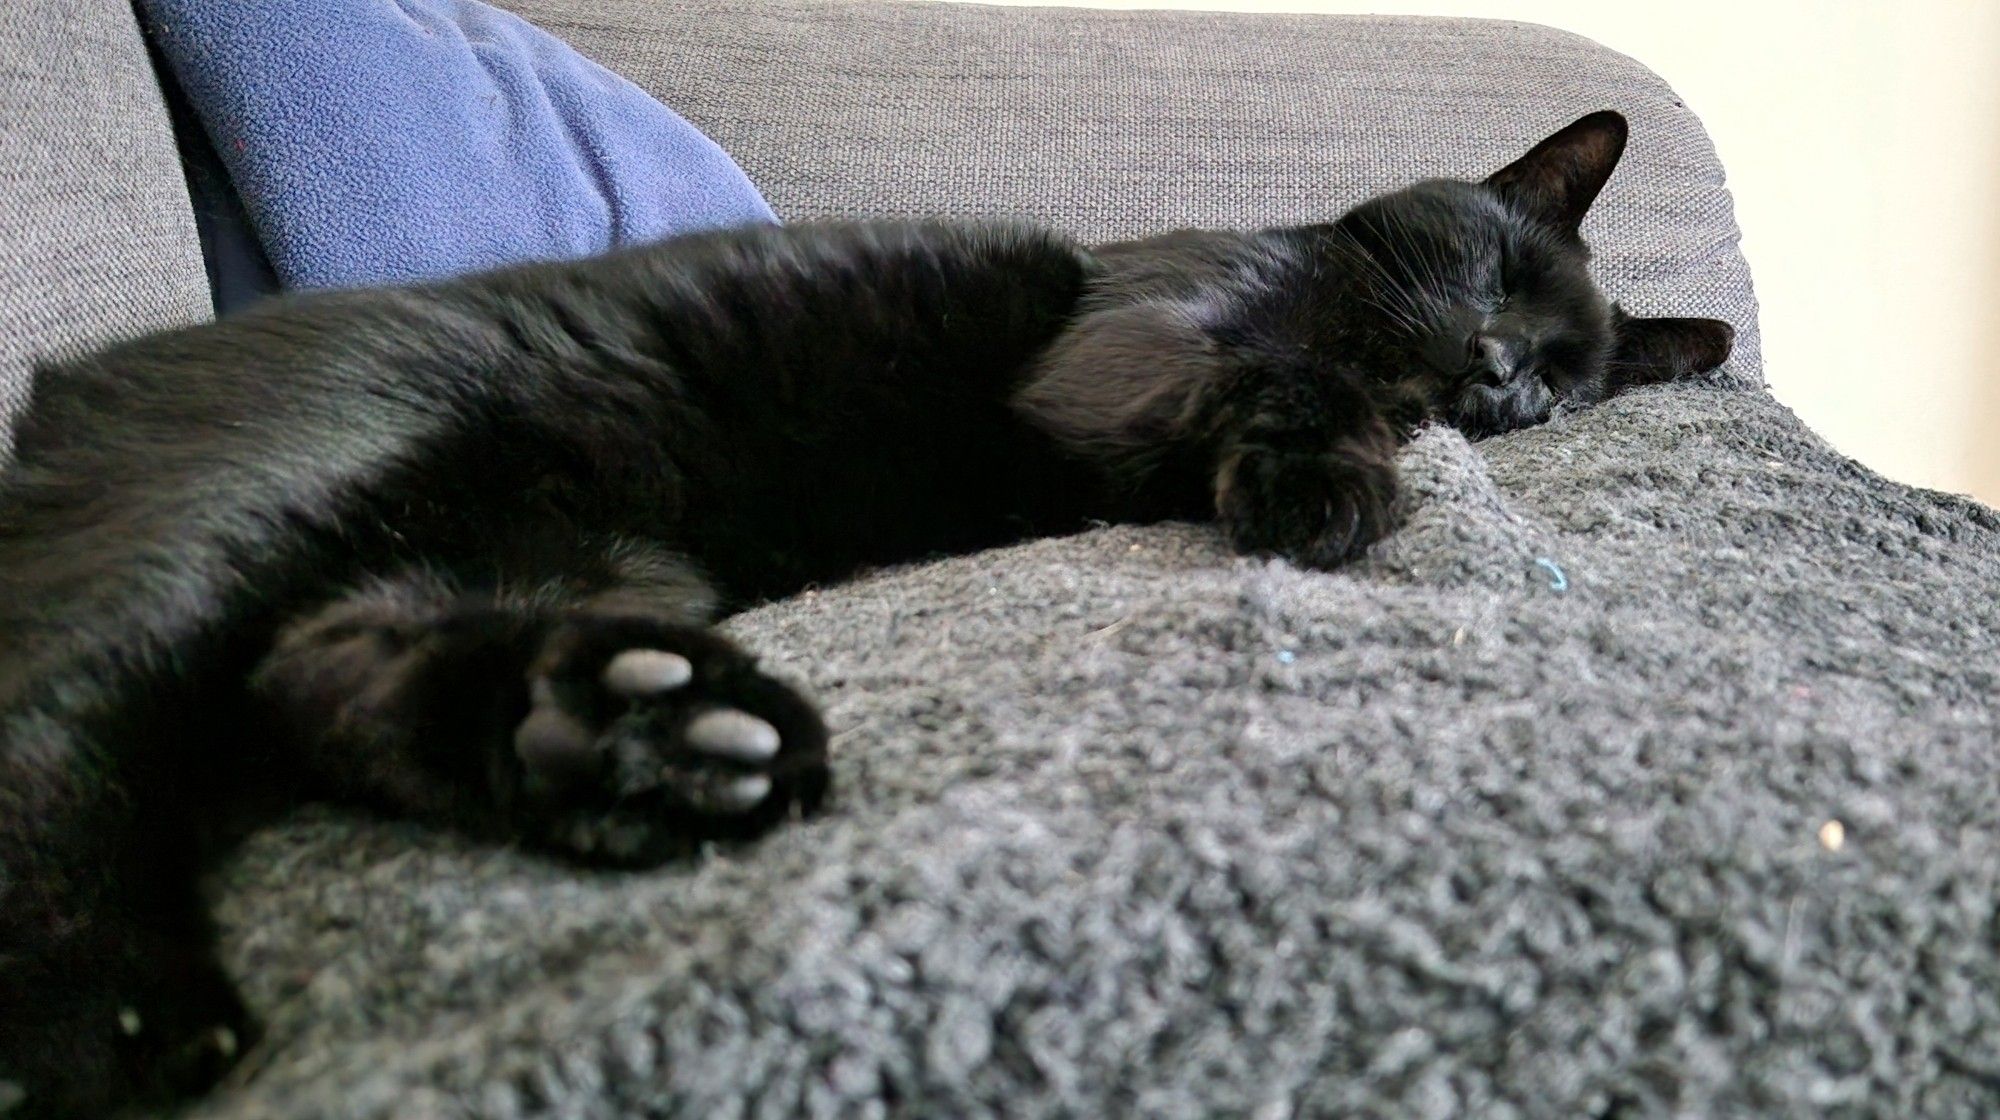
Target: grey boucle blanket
<point>1531,814</point>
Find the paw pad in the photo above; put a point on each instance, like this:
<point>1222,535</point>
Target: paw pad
<point>644,672</point>
<point>637,735</point>
<point>717,794</point>
<point>734,735</point>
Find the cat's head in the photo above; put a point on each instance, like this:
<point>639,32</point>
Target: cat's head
<point>1452,300</point>
<point>1475,298</point>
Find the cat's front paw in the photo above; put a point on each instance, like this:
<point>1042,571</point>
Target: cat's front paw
<point>1315,508</point>
<point>644,737</point>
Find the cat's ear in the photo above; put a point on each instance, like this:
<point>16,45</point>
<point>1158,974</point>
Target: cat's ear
<point>1651,351</point>
<point>1559,179</point>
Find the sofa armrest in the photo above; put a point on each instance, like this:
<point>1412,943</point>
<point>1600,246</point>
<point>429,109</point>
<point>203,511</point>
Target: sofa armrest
<point>1111,124</point>
<point>97,241</point>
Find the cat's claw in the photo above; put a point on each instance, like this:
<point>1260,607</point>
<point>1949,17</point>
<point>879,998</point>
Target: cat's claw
<point>630,748</point>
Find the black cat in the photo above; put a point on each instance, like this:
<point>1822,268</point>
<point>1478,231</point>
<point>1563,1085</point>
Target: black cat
<point>451,551</point>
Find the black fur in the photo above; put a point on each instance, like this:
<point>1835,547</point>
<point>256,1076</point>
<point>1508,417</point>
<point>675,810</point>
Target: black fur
<point>383,546</point>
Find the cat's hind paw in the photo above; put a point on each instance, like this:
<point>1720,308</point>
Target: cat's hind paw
<point>641,737</point>
<point>134,1018</point>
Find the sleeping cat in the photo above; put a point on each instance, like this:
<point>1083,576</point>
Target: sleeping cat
<point>452,551</point>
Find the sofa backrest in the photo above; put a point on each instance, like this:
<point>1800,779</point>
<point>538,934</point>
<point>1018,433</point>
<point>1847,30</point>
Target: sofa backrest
<point>97,241</point>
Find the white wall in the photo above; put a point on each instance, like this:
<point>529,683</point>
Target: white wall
<point>1862,139</point>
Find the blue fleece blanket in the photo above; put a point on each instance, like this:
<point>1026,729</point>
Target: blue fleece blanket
<point>393,140</point>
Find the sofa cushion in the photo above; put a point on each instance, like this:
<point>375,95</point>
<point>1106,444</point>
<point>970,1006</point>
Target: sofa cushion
<point>97,241</point>
<point>1127,826</point>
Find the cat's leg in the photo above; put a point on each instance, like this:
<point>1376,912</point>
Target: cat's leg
<point>610,725</point>
<point>1290,458</point>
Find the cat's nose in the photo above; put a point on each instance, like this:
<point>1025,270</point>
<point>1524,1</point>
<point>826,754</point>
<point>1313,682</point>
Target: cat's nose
<point>1493,359</point>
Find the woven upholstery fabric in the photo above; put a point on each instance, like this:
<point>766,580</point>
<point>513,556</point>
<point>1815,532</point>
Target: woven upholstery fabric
<point>96,239</point>
<point>1113,124</point>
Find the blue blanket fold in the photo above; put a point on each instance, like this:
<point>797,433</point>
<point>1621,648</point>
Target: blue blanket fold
<point>394,140</point>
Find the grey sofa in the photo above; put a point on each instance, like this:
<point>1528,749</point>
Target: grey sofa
<point>1647,771</point>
